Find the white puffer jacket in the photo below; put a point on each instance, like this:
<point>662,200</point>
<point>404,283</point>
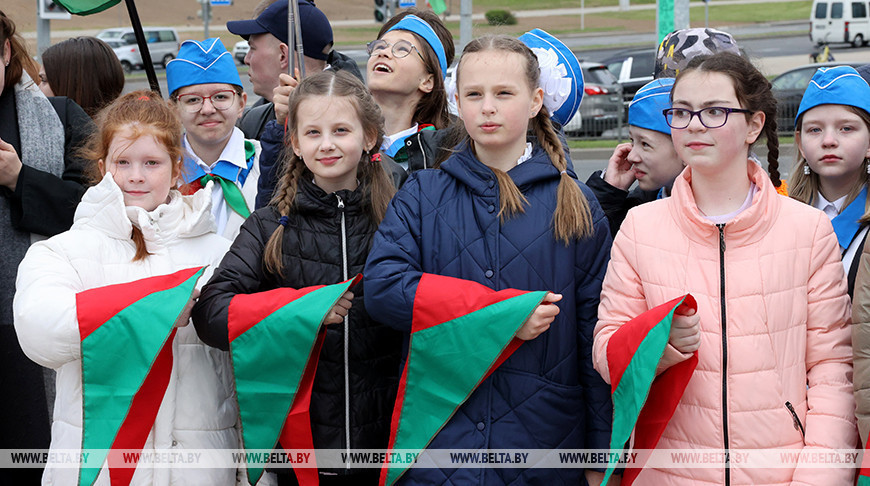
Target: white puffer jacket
<point>199,409</point>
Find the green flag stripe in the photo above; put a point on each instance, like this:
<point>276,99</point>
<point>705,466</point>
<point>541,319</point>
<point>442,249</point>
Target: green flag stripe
<point>267,374</point>
<point>463,351</point>
<point>633,389</point>
<point>86,7</point>
<point>863,480</point>
<point>116,357</point>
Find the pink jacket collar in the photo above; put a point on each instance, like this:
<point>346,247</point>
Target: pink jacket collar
<point>748,227</point>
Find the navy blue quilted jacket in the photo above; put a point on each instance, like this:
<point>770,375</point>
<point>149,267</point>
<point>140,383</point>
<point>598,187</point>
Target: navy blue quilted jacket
<point>546,395</point>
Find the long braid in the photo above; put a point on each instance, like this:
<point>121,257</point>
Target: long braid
<point>572,218</point>
<point>283,201</point>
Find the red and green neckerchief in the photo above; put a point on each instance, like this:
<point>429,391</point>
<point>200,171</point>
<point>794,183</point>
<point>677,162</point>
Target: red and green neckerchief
<point>642,401</point>
<point>275,339</point>
<point>460,333</point>
<point>126,345</point>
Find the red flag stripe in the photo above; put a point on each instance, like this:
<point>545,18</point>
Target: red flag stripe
<point>123,295</point>
<point>464,298</point>
<point>246,310</point>
<point>141,416</point>
<point>296,433</point>
<point>625,341</point>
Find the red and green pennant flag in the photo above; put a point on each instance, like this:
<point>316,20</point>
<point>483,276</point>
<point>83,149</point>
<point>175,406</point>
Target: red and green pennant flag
<point>641,401</point>
<point>86,7</point>
<point>275,339</point>
<point>126,332</point>
<point>460,333</point>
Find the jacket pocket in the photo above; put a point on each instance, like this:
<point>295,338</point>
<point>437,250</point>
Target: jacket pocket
<point>796,421</point>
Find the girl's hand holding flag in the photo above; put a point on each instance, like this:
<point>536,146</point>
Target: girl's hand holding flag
<point>541,318</point>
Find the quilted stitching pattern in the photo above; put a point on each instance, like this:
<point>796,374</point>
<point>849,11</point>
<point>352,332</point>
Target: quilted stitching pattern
<point>787,315</point>
<point>546,395</point>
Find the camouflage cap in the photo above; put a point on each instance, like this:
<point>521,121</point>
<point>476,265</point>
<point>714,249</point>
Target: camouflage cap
<point>680,46</point>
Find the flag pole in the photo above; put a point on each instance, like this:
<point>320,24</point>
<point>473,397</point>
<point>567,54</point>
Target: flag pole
<point>143,47</point>
<point>294,40</point>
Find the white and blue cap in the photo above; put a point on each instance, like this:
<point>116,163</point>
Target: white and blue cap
<point>415,24</point>
<point>201,62</point>
<point>561,76</point>
<point>645,110</point>
<point>840,85</point>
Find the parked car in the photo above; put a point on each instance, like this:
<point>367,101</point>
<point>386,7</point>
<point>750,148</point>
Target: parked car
<point>601,105</point>
<point>240,50</point>
<point>845,21</point>
<point>163,45</point>
<point>788,89</point>
<point>633,68</point>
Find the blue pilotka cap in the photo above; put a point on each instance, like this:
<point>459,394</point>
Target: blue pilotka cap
<point>840,85</point>
<point>645,110</point>
<point>561,76</point>
<point>415,24</point>
<point>201,62</point>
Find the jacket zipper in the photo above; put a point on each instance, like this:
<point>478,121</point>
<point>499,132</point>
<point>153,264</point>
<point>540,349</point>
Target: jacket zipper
<point>723,316</point>
<point>796,420</point>
<point>423,152</point>
<point>346,331</point>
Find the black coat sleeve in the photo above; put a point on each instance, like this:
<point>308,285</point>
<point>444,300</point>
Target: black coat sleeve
<point>240,272</point>
<point>43,203</point>
<point>616,202</point>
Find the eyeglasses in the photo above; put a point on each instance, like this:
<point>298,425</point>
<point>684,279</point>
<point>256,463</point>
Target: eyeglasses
<point>221,100</point>
<point>400,49</point>
<point>710,117</point>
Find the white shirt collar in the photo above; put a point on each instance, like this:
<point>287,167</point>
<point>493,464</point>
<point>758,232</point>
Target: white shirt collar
<point>830,208</point>
<point>233,152</point>
<point>390,139</point>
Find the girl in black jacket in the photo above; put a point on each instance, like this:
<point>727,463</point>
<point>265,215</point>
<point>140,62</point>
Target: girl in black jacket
<point>318,230</point>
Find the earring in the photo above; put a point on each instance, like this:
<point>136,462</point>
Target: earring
<point>806,169</point>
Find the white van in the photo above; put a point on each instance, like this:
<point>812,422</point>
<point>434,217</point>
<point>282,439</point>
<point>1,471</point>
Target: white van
<point>163,45</point>
<point>834,21</point>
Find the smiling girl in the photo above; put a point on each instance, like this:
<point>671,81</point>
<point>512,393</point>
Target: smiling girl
<point>133,224</point>
<point>405,74</point>
<point>771,328</point>
<point>318,230</point>
<point>207,94</point>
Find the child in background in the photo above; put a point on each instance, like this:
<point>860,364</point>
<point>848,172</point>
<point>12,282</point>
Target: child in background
<point>318,230</point>
<point>772,322</point>
<point>505,212</point>
<point>133,224</point>
<point>207,94</point>
<point>649,158</point>
<point>832,132</point>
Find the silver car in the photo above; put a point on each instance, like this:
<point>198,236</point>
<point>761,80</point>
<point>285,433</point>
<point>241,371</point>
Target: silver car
<point>602,102</point>
<point>163,45</point>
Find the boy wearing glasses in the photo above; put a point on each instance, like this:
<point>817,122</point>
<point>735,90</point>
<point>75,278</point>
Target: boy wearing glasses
<point>207,93</point>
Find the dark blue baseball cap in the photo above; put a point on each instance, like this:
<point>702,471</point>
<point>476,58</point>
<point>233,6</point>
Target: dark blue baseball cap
<point>316,31</point>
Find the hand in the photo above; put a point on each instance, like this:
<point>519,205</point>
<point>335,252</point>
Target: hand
<point>336,315</point>
<point>541,319</point>
<point>685,334</point>
<point>10,166</point>
<point>281,95</point>
<point>184,317</point>
<point>619,173</point>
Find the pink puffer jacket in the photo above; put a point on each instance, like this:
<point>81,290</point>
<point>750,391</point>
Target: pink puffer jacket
<point>786,337</point>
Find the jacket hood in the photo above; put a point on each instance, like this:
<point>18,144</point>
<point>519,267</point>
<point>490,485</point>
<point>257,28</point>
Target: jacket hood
<point>465,167</point>
<point>749,226</point>
<point>102,208</point>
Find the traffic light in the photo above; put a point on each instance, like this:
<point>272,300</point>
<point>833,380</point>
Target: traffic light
<point>382,10</point>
